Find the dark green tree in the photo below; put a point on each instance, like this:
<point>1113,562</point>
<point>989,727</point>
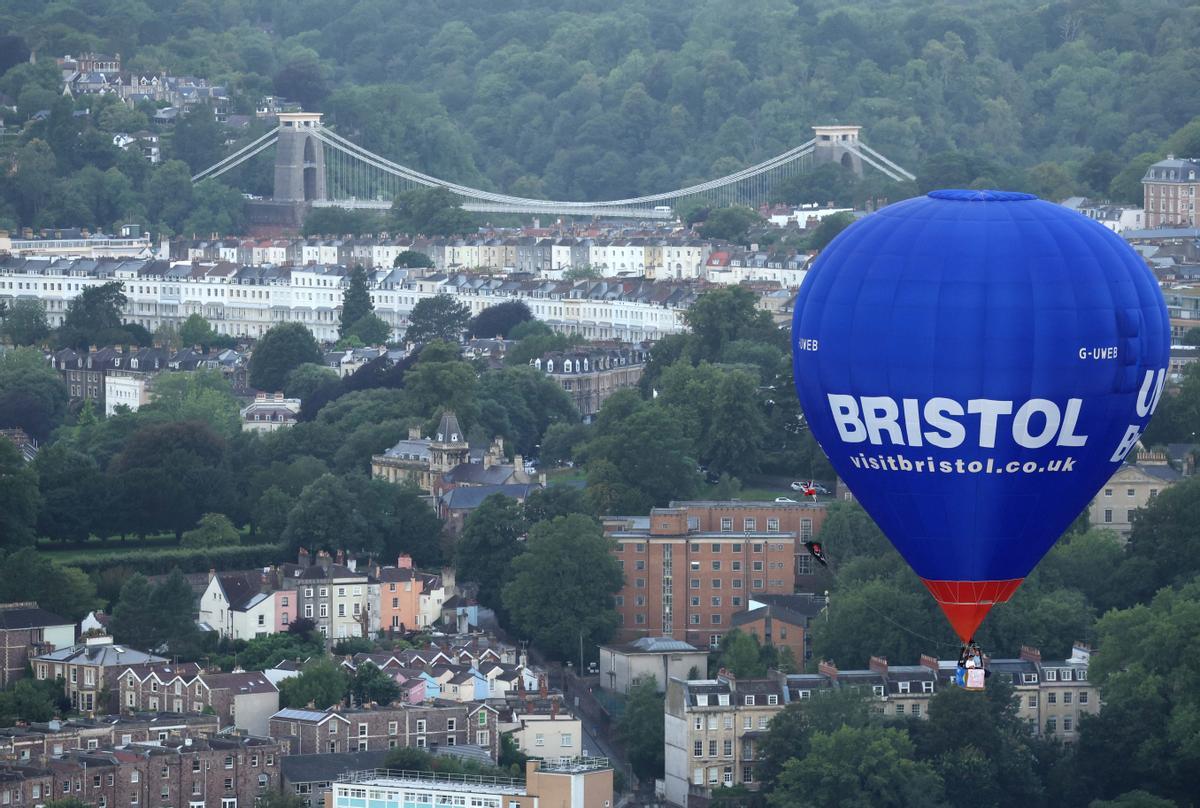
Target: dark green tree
<point>356,300</point>
<point>828,229</point>
<point>29,575</point>
<point>197,139</point>
<point>413,260</point>
<point>790,732</point>
<point>133,616</point>
<point>741,654</point>
<point>490,540</point>
<point>173,604</point>
<point>722,316</point>
<point>66,477</point>
<point>549,503</point>
<point>369,684</point>
<point>640,728</point>
<point>25,322</point>
<point>561,589</point>
<point>370,330</point>
<point>327,517</point>
<point>437,318</point>
<point>851,767</point>
<point>730,224</point>
<point>322,684</point>
<point>213,530</point>
<point>32,700</point>
<point>499,320</point>
<point>401,520</point>
<point>305,380</point>
<point>430,212</point>
<point>281,350</point>
<point>92,315</point>
<point>20,500</point>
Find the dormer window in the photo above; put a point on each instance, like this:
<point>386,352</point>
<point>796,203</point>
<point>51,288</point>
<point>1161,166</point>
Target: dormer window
<point>566,366</point>
<point>549,365</point>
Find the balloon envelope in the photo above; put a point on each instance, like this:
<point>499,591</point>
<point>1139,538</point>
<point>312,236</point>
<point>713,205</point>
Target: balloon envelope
<point>976,365</point>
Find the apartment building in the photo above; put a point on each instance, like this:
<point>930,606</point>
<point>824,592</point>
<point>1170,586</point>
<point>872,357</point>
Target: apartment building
<point>712,731</point>
<point>1131,487</point>
<point>335,596</point>
<point>235,605</point>
<point>590,377</point>
<point>187,773</point>
<point>691,567</point>
<point>39,740</point>
<point>659,658</point>
<point>377,727</point>
<point>89,671</point>
<point>25,631</point>
<point>240,700</point>
<point>1169,189</point>
<point>579,783</point>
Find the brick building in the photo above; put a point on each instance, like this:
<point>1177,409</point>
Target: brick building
<point>712,731</point>
<point>90,671</point>
<point>1169,190</point>
<point>241,700</point>
<point>426,726</point>
<point>782,621</point>
<point>26,631</point>
<point>691,567</point>
<point>39,740</point>
<point>190,773</point>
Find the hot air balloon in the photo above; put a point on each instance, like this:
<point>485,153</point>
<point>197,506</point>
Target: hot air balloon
<point>976,365</point>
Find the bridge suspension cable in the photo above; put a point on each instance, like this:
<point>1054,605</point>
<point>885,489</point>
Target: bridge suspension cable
<point>238,157</point>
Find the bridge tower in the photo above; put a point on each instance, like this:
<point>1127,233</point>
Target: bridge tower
<point>299,159</point>
<point>835,144</point>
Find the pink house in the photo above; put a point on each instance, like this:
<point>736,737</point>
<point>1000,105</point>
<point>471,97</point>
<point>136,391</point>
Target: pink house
<point>285,608</point>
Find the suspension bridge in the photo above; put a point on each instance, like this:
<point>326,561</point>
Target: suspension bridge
<point>316,166</point>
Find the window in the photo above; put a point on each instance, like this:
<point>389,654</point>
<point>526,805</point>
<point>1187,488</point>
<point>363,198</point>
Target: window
<point>772,699</point>
<point>716,619</point>
<point>308,612</point>
<point>694,619</point>
<point>1080,676</point>
<point>1083,697</point>
<point>228,764</point>
<point>698,776</point>
<point>737,566</point>
<point>308,592</point>
<point>747,722</point>
<point>757,566</point>
<point>695,547</point>
<point>726,524</point>
<point>877,690</point>
<point>420,726</point>
<point>899,709</point>
<point>727,748</point>
<point>804,565</point>
<point>134,776</point>
<point>1066,676</point>
<point>1128,493</point>
<point>716,600</point>
<point>737,547</point>
<point>1067,723</point>
<point>772,525</point>
<point>640,583</point>
<point>640,564</point>
<point>716,583</point>
<point>1068,697</point>
<point>639,548</point>
<point>756,547</point>
<point>229,784</point>
<point>1108,515</point>
<point>482,738</point>
<point>916,709</point>
<point>757,583</point>
<point>1051,676</point>
<point>712,748</point>
<point>1033,701</point>
<point>1029,678</point>
<point>1052,698</point>
<point>1051,725</point>
<point>750,524</point>
<point>483,721</point>
<point>903,687</point>
<point>566,740</point>
<point>716,565</point>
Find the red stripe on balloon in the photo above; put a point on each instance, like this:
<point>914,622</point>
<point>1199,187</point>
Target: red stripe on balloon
<point>966,603</point>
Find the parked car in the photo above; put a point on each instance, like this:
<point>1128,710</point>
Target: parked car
<point>784,499</point>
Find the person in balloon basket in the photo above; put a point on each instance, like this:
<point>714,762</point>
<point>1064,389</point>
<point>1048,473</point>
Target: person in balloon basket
<point>970,660</point>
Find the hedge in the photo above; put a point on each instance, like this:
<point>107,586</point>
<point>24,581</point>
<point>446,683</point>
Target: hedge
<point>159,562</point>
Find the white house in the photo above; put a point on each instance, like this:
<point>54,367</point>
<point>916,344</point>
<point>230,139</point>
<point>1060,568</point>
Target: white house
<point>235,606</point>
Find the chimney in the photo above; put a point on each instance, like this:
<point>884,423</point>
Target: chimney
<point>879,665</point>
<point>827,668</point>
<point>554,709</point>
<point>404,561</point>
<point>1031,654</point>
<point>302,557</point>
<point>542,688</point>
<point>340,558</point>
<point>212,573</point>
<point>518,462</point>
<point>930,662</point>
<point>414,433</point>
<point>488,460</point>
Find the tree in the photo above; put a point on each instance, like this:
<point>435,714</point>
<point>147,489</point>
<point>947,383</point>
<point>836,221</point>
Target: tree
<point>281,350</point>
<point>646,455</point>
<point>401,521</point>
<point>271,513</point>
<point>356,300</point>
<point>279,799</point>
<point>1164,534</point>
<point>370,684</point>
<point>25,322</point>
<point>1144,669</point>
<point>640,728</point>
<point>305,380</point>
<point>198,139</point>
<point>437,318</point>
<point>216,209</point>
<point>93,314</point>
<point>544,504</point>
<point>489,542</point>
<point>742,655</point>
<point>1191,336</point>
<point>370,330</point>
<point>562,586</point>
<point>413,260</point>
<point>326,517</point>
<point>789,734</point>
<point>29,575</point>
<point>851,767</point>
<point>199,396</point>
<point>133,619</point>
<point>170,474</point>
<point>19,498</point>
<point>32,700</point>
<point>213,530</point>
<point>66,477</point>
<point>322,684</point>
<point>857,628</point>
<point>174,606</point>
<point>730,224</point>
<point>725,315</point>
<point>32,394</point>
<point>560,441</point>
<point>499,320</point>
<point>196,330</point>
<point>430,212</point>
<point>828,229</point>
<point>520,404</point>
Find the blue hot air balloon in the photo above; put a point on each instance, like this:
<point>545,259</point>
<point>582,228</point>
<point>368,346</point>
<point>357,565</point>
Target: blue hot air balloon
<point>976,365</point>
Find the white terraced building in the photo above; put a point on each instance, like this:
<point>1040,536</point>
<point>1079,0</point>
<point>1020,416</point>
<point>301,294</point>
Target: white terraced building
<point>245,301</point>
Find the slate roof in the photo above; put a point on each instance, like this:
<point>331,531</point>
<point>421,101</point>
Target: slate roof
<point>100,655</point>
<point>655,645</point>
<point>240,683</point>
<point>29,617</point>
<point>328,767</point>
<point>471,497</point>
<point>240,588</point>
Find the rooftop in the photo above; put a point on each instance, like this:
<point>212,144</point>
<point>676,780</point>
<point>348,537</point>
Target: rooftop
<point>400,778</point>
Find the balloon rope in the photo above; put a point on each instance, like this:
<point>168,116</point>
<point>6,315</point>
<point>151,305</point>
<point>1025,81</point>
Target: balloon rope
<point>918,635</point>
